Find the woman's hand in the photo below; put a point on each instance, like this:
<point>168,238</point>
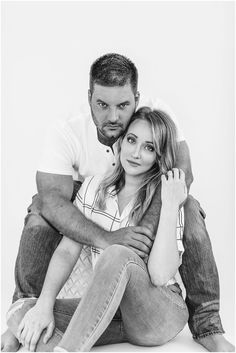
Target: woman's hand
<point>173,189</point>
<point>32,325</point>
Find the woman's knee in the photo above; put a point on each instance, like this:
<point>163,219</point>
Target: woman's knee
<point>118,253</point>
<point>149,338</point>
<point>17,311</point>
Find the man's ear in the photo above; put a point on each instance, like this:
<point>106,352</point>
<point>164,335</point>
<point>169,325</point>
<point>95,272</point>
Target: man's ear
<point>137,97</point>
<point>89,96</point>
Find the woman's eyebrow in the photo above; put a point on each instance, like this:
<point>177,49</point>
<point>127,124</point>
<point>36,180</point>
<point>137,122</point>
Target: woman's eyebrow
<point>130,133</point>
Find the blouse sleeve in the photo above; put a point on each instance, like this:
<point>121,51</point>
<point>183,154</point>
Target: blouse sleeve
<point>180,232</point>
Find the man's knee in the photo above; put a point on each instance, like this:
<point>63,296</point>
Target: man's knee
<point>194,224</point>
<point>34,219</point>
<point>193,209</point>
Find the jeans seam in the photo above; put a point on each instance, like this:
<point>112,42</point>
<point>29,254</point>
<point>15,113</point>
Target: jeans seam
<point>108,304</point>
<point>202,335</point>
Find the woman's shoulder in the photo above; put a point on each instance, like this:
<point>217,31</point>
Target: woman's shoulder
<point>89,187</point>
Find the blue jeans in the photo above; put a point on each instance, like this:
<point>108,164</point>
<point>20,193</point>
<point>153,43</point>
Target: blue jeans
<point>149,315</point>
<point>198,269</point>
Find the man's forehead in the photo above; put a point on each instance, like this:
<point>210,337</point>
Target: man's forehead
<point>112,95</point>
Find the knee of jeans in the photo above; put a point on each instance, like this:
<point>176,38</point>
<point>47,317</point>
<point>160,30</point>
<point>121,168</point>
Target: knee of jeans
<point>193,209</point>
<point>117,252</point>
<point>148,338</point>
<point>35,220</point>
<point>17,311</point>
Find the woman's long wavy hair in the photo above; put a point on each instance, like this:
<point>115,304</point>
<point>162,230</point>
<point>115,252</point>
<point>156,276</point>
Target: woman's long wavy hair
<point>165,145</point>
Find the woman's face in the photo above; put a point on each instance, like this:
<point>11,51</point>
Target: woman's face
<point>137,150</point>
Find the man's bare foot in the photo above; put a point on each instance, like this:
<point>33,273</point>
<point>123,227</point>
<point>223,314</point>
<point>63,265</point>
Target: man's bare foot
<point>216,343</point>
<point>9,343</point>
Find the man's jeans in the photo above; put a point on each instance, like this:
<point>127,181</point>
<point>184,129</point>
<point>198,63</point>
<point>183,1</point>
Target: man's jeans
<point>198,269</point>
<point>120,304</point>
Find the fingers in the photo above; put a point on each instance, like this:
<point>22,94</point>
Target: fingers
<point>28,337</point>
<point>182,175</point>
<point>34,340</point>
<point>143,230</point>
<point>174,174</point>
<point>22,336</point>
<point>49,332</point>
<point>141,254</point>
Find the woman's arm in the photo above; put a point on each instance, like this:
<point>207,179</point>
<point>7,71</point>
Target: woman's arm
<point>164,257</point>
<point>41,317</point>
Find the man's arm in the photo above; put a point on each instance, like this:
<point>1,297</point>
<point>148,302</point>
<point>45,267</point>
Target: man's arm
<point>152,215</point>
<point>55,192</point>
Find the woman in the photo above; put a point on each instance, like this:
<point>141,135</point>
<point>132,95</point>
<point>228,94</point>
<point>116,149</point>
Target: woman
<point>128,299</point>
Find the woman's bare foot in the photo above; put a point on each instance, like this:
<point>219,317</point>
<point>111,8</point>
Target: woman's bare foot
<point>9,343</point>
<point>216,343</point>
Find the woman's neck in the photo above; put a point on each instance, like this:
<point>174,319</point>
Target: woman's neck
<point>132,183</point>
<point>128,191</point>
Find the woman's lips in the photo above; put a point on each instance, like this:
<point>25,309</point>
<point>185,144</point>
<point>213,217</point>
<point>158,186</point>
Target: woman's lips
<point>133,164</point>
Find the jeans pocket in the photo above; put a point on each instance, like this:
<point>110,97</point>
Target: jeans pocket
<point>173,296</point>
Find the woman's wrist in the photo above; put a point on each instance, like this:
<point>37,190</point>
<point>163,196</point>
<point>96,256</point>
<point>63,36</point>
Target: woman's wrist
<point>170,205</point>
<point>46,301</point>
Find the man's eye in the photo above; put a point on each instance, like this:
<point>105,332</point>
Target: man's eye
<point>123,106</point>
<point>150,148</point>
<point>102,105</point>
<point>130,139</point>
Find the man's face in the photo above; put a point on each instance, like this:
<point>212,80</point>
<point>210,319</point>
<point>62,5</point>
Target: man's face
<point>112,108</point>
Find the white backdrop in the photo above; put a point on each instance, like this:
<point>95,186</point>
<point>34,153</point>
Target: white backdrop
<point>185,54</point>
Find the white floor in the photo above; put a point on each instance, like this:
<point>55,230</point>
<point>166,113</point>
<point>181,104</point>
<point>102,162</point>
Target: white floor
<point>182,343</point>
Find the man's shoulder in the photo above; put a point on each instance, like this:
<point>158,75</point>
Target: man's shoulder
<point>79,124</point>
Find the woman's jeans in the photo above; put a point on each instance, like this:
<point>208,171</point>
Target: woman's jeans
<point>198,269</point>
<point>144,314</point>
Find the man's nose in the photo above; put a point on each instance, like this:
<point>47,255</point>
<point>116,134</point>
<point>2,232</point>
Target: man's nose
<point>113,115</point>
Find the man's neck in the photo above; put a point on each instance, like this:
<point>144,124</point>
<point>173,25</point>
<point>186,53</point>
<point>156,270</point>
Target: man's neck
<point>105,140</point>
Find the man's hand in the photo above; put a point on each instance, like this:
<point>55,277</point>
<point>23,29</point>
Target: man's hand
<point>139,239</point>
<point>9,343</point>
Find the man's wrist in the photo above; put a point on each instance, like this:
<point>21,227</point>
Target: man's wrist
<point>105,239</point>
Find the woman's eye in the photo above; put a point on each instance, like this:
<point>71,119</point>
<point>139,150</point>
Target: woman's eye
<point>149,148</point>
<point>130,139</point>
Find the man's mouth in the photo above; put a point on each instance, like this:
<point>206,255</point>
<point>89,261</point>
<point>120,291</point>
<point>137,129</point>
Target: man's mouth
<point>133,164</point>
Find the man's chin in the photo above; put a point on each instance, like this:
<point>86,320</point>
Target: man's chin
<point>113,134</point>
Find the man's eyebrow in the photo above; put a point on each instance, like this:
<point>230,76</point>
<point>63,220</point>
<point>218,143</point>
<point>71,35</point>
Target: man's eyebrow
<point>101,101</point>
<point>125,102</point>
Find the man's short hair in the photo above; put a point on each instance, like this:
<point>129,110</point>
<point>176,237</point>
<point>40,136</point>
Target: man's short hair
<point>113,70</point>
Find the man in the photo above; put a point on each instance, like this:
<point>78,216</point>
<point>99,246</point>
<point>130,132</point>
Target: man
<point>86,146</point>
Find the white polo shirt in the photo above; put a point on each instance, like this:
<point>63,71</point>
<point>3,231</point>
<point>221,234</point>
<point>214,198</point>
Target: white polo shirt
<point>72,147</point>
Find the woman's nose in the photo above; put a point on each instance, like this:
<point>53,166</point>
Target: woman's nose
<point>136,152</point>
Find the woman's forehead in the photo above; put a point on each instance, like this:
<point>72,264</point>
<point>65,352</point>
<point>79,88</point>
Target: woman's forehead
<point>141,128</point>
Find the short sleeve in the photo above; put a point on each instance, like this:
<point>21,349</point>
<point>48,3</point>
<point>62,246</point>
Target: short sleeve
<point>58,156</point>
<point>80,199</point>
